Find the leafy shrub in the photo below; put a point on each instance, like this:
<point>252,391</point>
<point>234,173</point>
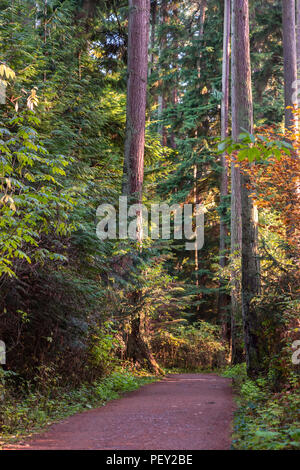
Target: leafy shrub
<point>238,373</point>
<point>189,347</point>
<point>102,350</point>
<point>265,420</point>
<point>116,383</point>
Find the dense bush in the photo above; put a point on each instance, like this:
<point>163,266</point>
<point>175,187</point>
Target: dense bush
<point>265,420</point>
<point>192,347</point>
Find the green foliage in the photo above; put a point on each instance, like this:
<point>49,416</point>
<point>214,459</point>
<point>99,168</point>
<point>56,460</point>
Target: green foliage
<point>265,420</point>
<point>255,147</point>
<point>40,407</point>
<point>190,347</point>
<point>119,382</point>
<point>33,200</point>
<point>238,373</point>
<point>102,351</point>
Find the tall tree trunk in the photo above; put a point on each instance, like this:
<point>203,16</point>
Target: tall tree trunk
<point>237,352</point>
<point>86,11</point>
<point>138,37</point>
<point>175,65</point>
<point>223,297</point>
<point>45,33</point>
<point>37,22</point>
<point>298,43</point>
<point>290,60</point>
<point>137,347</point>
<point>152,34</point>
<point>162,101</point>
<point>291,55</point>
<point>243,119</point>
<point>195,201</point>
<point>138,41</point>
<point>174,103</point>
<point>202,16</point>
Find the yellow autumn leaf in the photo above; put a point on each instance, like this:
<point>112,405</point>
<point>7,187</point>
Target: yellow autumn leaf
<point>5,70</point>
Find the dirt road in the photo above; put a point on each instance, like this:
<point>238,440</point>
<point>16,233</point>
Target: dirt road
<point>182,412</point>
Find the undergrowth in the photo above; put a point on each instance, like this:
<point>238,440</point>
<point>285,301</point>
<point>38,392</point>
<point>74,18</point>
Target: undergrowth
<point>194,347</point>
<point>265,420</point>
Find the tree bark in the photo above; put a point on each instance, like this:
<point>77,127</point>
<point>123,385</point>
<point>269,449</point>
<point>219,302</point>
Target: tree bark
<point>195,201</point>
<point>162,98</point>
<point>243,119</point>
<point>174,103</point>
<point>223,297</point>
<point>237,352</point>
<point>175,65</point>
<point>138,40</point>
<point>152,34</point>
<point>137,348</point>
<point>298,42</point>
<point>45,33</point>
<point>87,10</point>
<point>290,60</point>
<point>202,16</point>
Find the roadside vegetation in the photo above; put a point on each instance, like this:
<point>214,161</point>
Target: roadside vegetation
<point>32,409</point>
<point>265,419</point>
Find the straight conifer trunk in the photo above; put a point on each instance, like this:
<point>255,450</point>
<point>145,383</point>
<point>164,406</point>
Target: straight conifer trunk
<point>138,40</point>
<point>243,119</point>
<point>174,90</point>
<point>202,17</point>
<point>237,352</point>
<point>152,34</point>
<point>223,297</point>
<point>290,59</point>
<point>163,99</point>
<point>298,41</point>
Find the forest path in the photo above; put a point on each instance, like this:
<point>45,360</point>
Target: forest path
<point>182,412</point>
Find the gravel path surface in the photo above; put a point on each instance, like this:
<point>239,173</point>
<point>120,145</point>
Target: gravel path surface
<point>182,412</point>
